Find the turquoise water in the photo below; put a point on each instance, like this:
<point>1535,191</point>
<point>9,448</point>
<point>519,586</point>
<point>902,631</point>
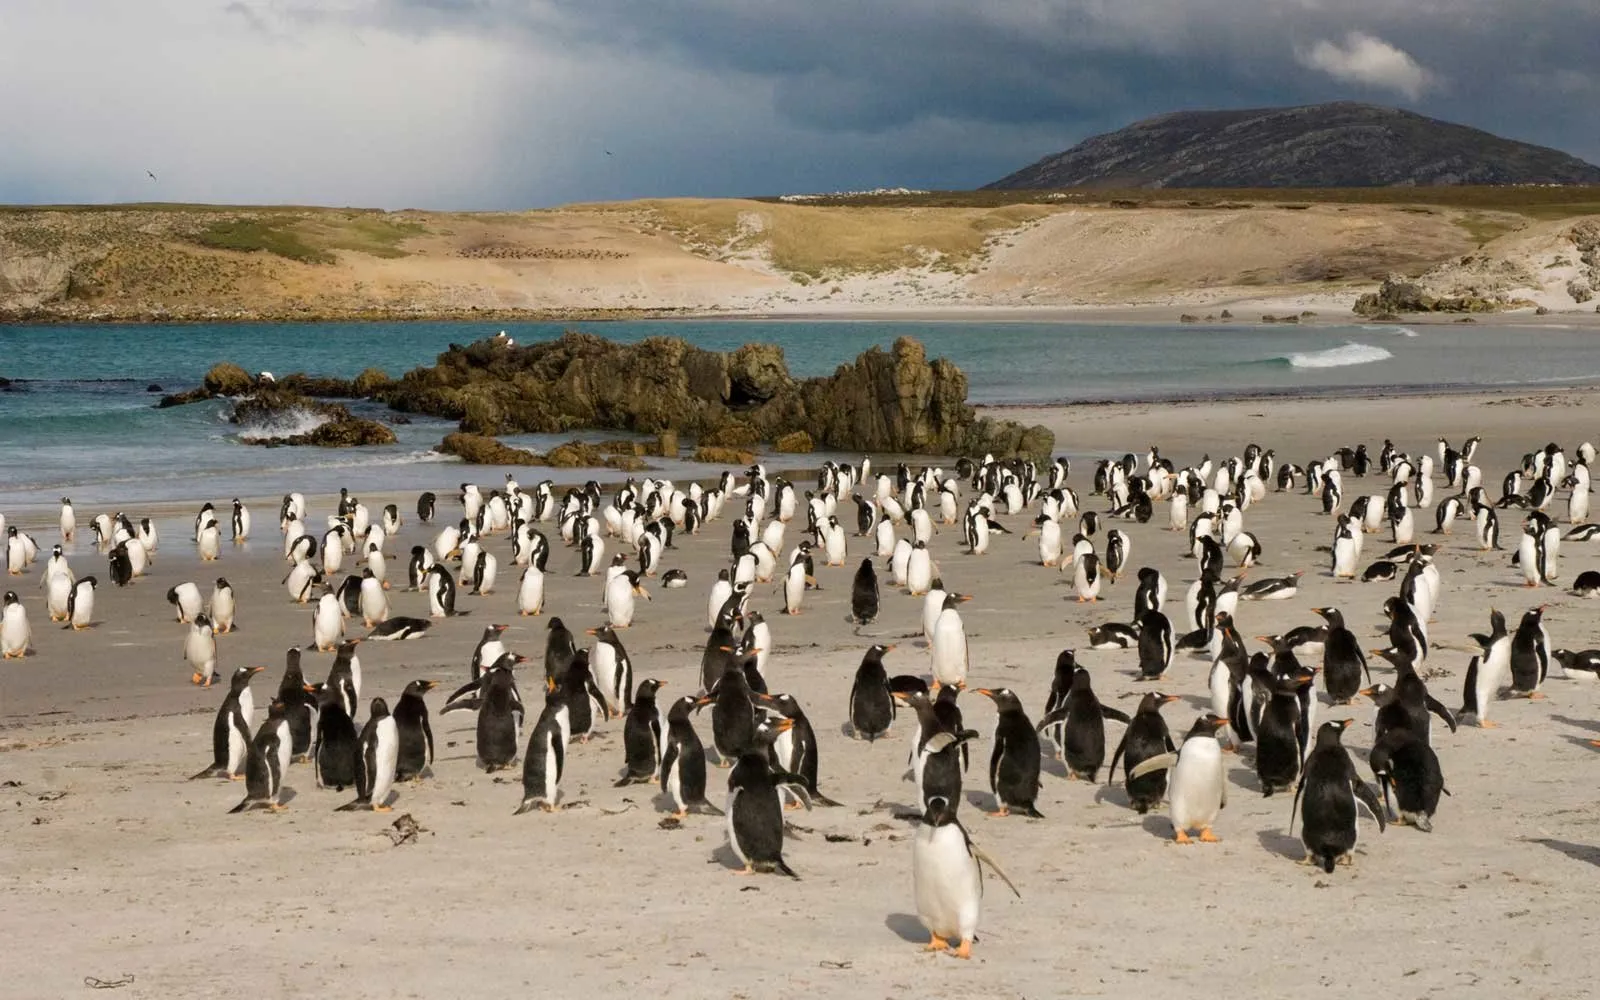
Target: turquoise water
<point>80,417</point>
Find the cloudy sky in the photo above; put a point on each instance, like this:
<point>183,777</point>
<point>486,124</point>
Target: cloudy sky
<point>520,103</point>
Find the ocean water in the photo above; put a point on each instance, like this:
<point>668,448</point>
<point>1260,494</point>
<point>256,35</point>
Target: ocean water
<point>79,418</point>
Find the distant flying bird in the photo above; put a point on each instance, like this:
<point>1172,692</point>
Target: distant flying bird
<point>608,152</point>
<point>152,176</point>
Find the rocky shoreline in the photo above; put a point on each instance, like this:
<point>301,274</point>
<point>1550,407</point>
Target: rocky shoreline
<point>895,401</point>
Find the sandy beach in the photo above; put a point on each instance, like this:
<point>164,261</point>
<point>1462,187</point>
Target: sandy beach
<point>117,866</point>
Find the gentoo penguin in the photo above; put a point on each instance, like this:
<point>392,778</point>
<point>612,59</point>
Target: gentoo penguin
<point>1146,736</point>
<point>582,698</point>
<point>1489,672</point>
<point>1278,731</point>
<point>1408,704</point>
<point>919,569</point>
<point>399,629</point>
<point>441,588</point>
<point>1198,788</point>
<point>1113,635</point>
<point>871,703</point>
<point>68,521</point>
<point>230,734</point>
<point>795,749</point>
<point>414,731</point>
<point>641,736</point>
<point>546,757</point>
<point>721,590</point>
<point>344,676</point>
<point>377,757</point>
<point>864,594</point>
<point>612,670</point>
<point>1278,588</point>
<point>220,609</point>
<point>1118,549</point>
<point>1530,655</point>
<point>1405,764</point>
<point>266,762</point>
<point>948,646</point>
<point>200,651</point>
<point>327,623</point>
<point>1082,719</point>
<point>209,542</point>
<point>1346,548</point>
<point>560,649</point>
<point>1329,788</point>
<point>417,567</point>
<point>185,597</point>
<point>530,592</point>
<point>947,879</point>
<point>338,744</point>
<point>14,631</point>
<point>80,604</point>
<point>121,566</point>
<point>374,602</point>
<point>755,807</point>
<point>425,506</point>
<point>1086,578</point>
<point>1014,765</point>
<point>620,592</point>
<point>240,522</point>
<point>299,706</point>
<point>484,570</point>
<point>1049,539</point>
<point>683,760</point>
<point>500,713</point>
<point>1343,662</point>
<point>1155,645</point>
<point>674,578</point>
<point>1587,584</point>
<point>733,714</point>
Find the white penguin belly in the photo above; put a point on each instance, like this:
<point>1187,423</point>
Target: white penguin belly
<point>1195,791</point>
<point>947,882</point>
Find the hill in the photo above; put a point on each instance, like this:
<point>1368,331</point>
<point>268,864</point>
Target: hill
<point>1342,144</point>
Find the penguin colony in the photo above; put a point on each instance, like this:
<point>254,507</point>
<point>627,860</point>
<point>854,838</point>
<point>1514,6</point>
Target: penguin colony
<point>1263,702</point>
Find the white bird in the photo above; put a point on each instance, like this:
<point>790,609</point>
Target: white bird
<point>14,631</point>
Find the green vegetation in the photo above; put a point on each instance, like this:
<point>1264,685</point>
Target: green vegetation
<point>275,236</point>
<point>373,235</point>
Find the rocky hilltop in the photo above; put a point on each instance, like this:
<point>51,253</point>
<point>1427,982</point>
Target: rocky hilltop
<point>1342,144</point>
<point>885,402</point>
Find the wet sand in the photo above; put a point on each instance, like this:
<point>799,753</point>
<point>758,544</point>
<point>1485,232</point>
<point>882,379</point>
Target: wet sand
<point>117,865</point>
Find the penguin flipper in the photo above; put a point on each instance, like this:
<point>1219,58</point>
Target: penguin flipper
<point>1437,708</point>
<point>983,858</point>
<point>1115,714</point>
<point>1051,718</point>
<point>353,806</point>
<point>214,771</point>
<point>1160,762</point>
<point>1111,775</point>
<point>782,867</point>
<point>1364,793</point>
<point>1294,806</point>
<point>794,783</point>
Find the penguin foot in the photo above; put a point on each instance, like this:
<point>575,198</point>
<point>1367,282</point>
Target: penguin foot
<point>964,949</point>
<point>998,813</point>
<point>937,943</point>
<point>1486,724</point>
<point>277,807</point>
<point>1181,837</point>
<point>1308,861</point>
<point>382,809</point>
<point>1536,696</point>
<point>746,870</point>
<point>235,777</point>
<point>1348,860</point>
<point>192,680</point>
<point>791,806</point>
<point>1207,837</point>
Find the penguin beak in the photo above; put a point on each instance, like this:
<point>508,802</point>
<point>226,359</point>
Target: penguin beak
<point>429,685</point>
<point>592,631</point>
<point>963,597</point>
<point>888,648</point>
<point>1265,639</point>
<point>783,725</point>
<point>1346,723</point>
<point>549,684</point>
<point>703,701</point>
<point>311,689</point>
<point>984,691</point>
<point>900,696</point>
<point>1367,692</point>
<point>1221,722</point>
<point>256,670</point>
<point>1318,611</point>
<point>1169,699</point>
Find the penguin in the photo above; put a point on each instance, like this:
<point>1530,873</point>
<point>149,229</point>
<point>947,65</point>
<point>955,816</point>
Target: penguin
<point>582,698</point>
<point>1587,584</point>
<point>68,521</point>
<point>1530,655</point>
<point>1113,635</point>
<point>795,748</point>
<point>417,567</point>
<point>1408,704</point>
<point>299,706</point>
<point>733,715</point>
<point>230,734</point>
<point>1488,673</point>
<point>1082,719</point>
<point>80,604</point>
<point>185,597</point>
<point>15,634</point>
<point>1277,731</point>
<point>425,506</point>
<point>1155,646</point>
<point>674,578</point>
<point>530,592</point>
<point>374,602</point>
<point>620,592</point>
<point>200,651</point>
<point>483,573</point>
<point>1014,764</point>
<point>220,609</point>
<point>560,649</point>
<point>1404,764</point>
<point>266,762</point>
<point>121,566</point>
<point>344,677</point>
<point>442,593</point>
<point>864,594</point>
<point>1330,789</point>
<point>641,735</point>
<point>754,807</point>
<point>1197,788</point>
<point>1343,662</point>
<point>871,702</point>
<point>209,542</point>
<point>1118,548</point>
<point>546,757</point>
<point>1146,736</point>
<point>919,569</point>
<point>721,590</point>
<point>327,623</point>
<point>500,714</point>
<point>683,760</point>
<point>399,629</point>
<point>947,879</point>
<point>377,757</point>
<point>1086,579</point>
<point>613,671</point>
<point>299,582</point>
<point>795,581</point>
<point>951,657</point>
<point>414,731</point>
<point>1279,588</point>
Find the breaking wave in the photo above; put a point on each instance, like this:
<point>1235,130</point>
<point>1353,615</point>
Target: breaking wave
<point>1339,357</point>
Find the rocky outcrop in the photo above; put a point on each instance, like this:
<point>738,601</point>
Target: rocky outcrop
<point>476,449</point>
<point>713,455</point>
<point>1398,295</point>
<point>894,401</point>
<point>339,428</point>
<point>798,443</point>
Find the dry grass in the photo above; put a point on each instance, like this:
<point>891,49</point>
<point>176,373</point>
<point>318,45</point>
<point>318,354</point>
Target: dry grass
<point>818,242</point>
